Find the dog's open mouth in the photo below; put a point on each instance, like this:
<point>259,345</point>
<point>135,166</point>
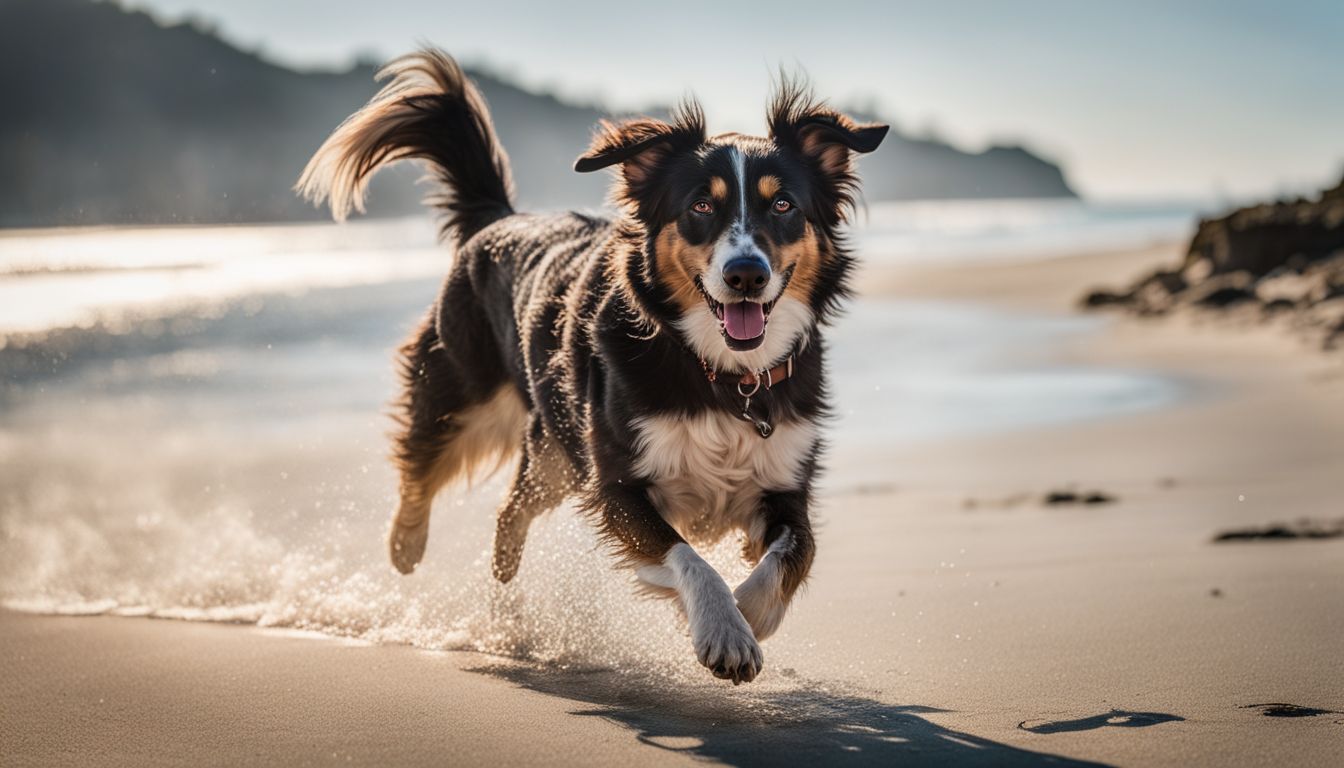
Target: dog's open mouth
<point>742,323</point>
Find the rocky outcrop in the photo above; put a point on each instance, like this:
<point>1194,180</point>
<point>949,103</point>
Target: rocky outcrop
<point>1281,260</point>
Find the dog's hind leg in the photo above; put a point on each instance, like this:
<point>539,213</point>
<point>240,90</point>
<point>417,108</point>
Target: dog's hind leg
<point>543,479</point>
<point>445,433</point>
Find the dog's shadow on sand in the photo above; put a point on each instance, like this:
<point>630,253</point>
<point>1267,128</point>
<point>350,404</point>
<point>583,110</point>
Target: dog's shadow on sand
<point>807,724</point>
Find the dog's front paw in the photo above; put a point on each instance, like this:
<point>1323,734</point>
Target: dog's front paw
<point>406,544</point>
<point>726,646</point>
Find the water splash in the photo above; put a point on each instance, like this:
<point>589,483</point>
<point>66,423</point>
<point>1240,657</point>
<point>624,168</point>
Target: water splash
<point>124,540</point>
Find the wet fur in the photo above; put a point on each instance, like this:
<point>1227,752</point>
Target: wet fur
<point>580,343</point>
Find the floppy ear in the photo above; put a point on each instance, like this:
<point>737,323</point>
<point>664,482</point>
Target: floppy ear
<point>642,146</point>
<point>825,138</point>
<point>642,143</point>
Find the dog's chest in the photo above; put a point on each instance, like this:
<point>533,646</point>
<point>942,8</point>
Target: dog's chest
<point>708,471</point>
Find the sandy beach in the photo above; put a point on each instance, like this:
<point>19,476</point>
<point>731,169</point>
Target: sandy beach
<point>952,617</point>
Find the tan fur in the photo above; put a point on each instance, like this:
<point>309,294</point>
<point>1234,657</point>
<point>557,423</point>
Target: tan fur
<point>718,188</point>
<point>640,168</point>
<point>805,257</point>
<point>485,433</point>
<point>489,432</point>
<point>761,597</point>
<point>834,159</point>
<point>340,170</point>
<point>543,480</point>
<point>768,186</point>
<point>678,263</point>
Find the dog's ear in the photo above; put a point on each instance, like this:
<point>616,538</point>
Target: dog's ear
<point>825,138</point>
<point>618,142</point>
<point>642,146</point>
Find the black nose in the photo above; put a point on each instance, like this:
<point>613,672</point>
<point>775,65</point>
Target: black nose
<point>746,275</point>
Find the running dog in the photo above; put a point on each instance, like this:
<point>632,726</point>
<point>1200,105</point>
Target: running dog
<point>665,368</point>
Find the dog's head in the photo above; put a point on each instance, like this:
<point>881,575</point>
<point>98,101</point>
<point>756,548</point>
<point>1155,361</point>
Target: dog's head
<point>741,244</point>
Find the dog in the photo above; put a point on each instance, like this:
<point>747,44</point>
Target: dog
<point>665,368</point>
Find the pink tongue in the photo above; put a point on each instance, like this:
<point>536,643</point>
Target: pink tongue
<point>744,320</point>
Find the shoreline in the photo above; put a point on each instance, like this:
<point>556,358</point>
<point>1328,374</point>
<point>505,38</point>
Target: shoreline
<point>952,615</point>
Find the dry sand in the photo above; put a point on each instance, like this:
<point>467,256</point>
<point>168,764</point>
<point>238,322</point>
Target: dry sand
<point>952,617</point>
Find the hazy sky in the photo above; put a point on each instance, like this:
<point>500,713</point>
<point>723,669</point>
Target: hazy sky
<point>1137,99</point>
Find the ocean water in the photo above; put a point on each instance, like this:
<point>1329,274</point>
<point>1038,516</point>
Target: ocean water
<point>984,230</point>
<point>193,425</point>
<point>59,278</point>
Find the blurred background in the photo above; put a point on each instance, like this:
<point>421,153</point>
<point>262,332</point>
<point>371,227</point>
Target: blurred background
<point>1088,436</point>
<point>179,333</point>
<point>166,299</point>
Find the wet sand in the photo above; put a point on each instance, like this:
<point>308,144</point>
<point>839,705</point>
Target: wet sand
<point>952,617</point>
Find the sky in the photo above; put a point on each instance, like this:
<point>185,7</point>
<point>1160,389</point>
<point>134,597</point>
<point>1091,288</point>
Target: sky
<point>1197,100</point>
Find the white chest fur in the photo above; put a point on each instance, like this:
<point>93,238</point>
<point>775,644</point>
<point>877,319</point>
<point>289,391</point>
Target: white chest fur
<point>708,471</point>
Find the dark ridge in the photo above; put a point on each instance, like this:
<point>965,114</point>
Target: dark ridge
<point>111,118</point>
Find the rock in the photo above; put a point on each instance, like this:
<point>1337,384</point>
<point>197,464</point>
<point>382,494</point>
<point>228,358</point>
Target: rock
<point>1225,296</point>
<point>1335,194</point>
<point>1334,336</point>
<point>1170,281</point>
<point>1284,285</point>
<point>1326,315</point>
<point>1153,299</point>
<point>1264,237</point>
<point>1286,256</point>
<point>1104,298</point>
<point>1222,290</point>
<point>1197,271</point>
<point>1327,281</point>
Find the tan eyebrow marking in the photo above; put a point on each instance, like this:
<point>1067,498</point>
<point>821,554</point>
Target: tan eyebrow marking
<point>768,186</point>
<point>718,188</point>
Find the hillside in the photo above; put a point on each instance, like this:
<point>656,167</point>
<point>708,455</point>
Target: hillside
<point>112,118</point>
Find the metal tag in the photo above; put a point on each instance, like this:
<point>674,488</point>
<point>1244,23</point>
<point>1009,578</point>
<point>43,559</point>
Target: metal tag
<point>762,426</point>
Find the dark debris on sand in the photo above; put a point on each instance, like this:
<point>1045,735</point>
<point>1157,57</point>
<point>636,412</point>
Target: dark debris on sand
<point>1289,710</point>
<point>1065,497</point>
<point>1302,529</point>
<point>1056,498</point>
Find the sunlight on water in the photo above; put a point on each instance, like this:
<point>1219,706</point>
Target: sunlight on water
<point>59,278</point>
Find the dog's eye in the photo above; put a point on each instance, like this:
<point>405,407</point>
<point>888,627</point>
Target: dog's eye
<point>782,206</point>
<point>702,207</point>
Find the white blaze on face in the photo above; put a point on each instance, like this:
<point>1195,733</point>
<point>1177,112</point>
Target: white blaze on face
<point>737,242</point>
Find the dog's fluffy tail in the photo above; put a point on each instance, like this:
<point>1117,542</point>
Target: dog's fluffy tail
<point>428,111</point>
